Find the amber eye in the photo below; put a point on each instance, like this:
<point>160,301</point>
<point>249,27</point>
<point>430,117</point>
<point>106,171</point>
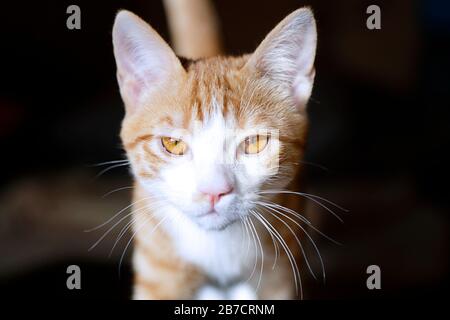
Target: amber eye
<point>255,144</point>
<point>174,146</point>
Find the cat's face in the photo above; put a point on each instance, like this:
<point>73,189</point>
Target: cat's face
<point>206,137</point>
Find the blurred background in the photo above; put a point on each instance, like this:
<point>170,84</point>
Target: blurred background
<point>378,143</point>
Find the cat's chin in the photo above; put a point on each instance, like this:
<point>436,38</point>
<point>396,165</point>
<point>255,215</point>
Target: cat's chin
<point>214,222</point>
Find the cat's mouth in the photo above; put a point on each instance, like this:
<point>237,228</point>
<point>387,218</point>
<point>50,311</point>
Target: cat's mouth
<point>213,220</point>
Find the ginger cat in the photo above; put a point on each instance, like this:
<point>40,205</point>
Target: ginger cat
<point>214,146</point>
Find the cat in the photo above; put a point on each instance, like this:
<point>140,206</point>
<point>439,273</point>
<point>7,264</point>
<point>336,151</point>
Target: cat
<point>215,143</point>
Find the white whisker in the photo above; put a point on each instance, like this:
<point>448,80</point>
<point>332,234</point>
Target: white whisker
<point>299,216</point>
<point>113,227</point>
<point>117,214</point>
<point>134,234</point>
<point>294,266</point>
<point>256,252</point>
<point>262,255</point>
<point>109,162</point>
<point>129,225</point>
<point>110,168</point>
<point>116,190</point>
<point>298,241</point>
<point>310,197</point>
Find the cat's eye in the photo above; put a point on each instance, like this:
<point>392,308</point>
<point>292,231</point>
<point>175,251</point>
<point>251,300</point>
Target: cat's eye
<point>255,144</point>
<point>174,146</point>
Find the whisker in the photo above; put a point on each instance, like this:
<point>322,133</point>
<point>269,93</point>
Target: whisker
<point>241,220</point>
<point>256,252</point>
<point>129,225</point>
<point>121,234</point>
<point>110,168</point>
<point>117,214</point>
<point>313,196</point>
<point>317,165</point>
<point>310,197</point>
<point>262,255</point>
<point>294,266</point>
<point>109,162</point>
<point>248,236</point>
<point>146,220</point>
<point>116,190</point>
<point>113,227</point>
<point>134,234</point>
<point>297,215</point>
<point>293,263</point>
<point>299,243</point>
<point>310,239</point>
<point>277,251</point>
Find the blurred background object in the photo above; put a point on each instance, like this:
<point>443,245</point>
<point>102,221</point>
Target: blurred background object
<point>378,144</point>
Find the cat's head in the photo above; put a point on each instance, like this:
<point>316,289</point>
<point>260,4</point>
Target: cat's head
<point>205,137</point>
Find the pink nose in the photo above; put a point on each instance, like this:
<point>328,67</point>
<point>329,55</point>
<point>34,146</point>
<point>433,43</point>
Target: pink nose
<point>215,195</point>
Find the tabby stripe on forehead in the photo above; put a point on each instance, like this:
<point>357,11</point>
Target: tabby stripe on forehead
<point>227,90</point>
<point>197,100</point>
<point>168,120</point>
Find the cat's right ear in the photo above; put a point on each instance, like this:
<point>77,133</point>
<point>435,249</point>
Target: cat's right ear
<point>145,62</point>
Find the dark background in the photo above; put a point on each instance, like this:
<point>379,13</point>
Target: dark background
<point>378,142</point>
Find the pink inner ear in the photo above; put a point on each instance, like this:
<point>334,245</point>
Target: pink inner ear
<point>135,88</point>
<point>301,90</point>
<point>144,61</point>
<point>132,89</point>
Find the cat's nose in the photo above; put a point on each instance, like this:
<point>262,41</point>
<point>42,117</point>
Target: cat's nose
<point>215,194</point>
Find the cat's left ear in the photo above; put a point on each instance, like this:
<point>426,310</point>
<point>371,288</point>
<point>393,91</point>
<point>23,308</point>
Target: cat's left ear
<point>145,62</point>
<point>285,58</point>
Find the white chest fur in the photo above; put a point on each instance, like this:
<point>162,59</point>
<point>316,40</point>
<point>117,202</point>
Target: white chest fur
<point>225,256</point>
